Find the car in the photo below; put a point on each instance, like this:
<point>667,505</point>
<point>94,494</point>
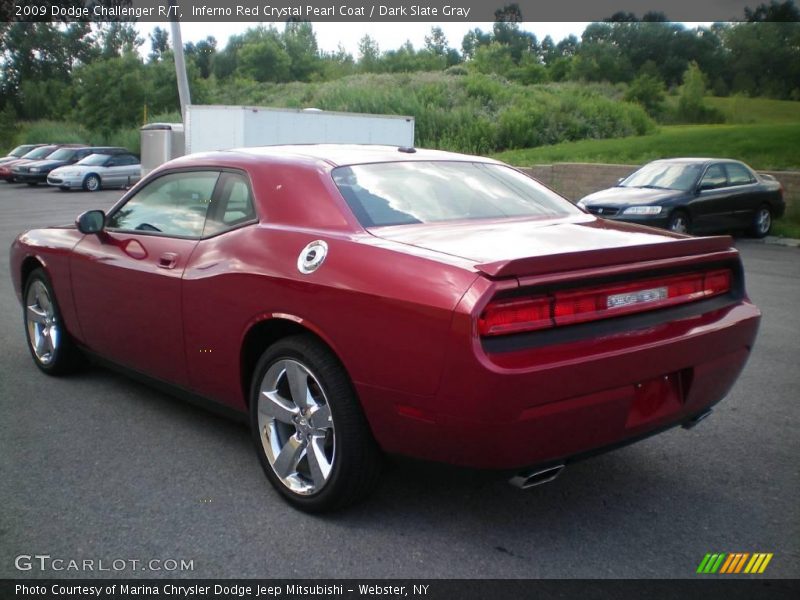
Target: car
<point>353,302</point>
<point>97,171</point>
<point>19,152</point>
<point>36,172</point>
<point>693,195</point>
<point>32,156</point>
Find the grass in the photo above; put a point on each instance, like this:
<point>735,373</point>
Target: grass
<point>762,146</point>
<point>742,110</point>
<point>788,225</point>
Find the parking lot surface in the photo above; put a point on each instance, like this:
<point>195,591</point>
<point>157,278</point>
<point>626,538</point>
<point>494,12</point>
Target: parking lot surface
<point>98,467</point>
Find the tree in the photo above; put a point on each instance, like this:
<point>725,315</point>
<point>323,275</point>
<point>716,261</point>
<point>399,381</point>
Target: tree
<point>301,46</point>
<point>369,54</point>
<point>436,42</point>
<point>117,39</point>
<point>691,99</point>
<point>159,44</point>
<point>262,56</point>
<point>111,93</point>
<point>648,90</point>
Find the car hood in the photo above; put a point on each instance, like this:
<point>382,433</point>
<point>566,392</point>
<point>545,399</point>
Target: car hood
<point>46,164</point>
<point>630,196</point>
<point>522,247</point>
<point>76,169</point>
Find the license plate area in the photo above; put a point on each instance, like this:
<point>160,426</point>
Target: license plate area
<point>656,398</point>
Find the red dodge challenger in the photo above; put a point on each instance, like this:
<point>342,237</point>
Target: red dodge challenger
<point>361,300</point>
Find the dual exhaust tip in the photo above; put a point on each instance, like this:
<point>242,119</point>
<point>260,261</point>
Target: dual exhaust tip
<point>532,478</point>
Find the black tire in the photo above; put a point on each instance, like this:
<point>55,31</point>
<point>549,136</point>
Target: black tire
<point>355,461</point>
<point>679,222</point>
<point>63,188</point>
<point>92,183</point>
<point>761,223</point>
<point>65,357</point>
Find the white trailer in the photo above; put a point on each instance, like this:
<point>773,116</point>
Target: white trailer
<point>210,127</point>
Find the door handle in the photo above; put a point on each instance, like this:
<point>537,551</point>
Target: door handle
<point>167,260</point>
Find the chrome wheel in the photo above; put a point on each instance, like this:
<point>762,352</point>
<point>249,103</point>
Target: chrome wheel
<point>763,221</point>
<point>92,183</point>
<point>296,427</point>
<point>44,330</point>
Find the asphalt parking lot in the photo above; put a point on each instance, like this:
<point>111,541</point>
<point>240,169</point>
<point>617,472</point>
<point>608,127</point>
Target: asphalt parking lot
<point>99,467</point>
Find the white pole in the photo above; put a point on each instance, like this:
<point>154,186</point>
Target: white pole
<point>180,64</point>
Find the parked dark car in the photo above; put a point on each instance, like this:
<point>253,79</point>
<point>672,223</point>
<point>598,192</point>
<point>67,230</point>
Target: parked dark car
<point>19,152</point>
<point>36,172</point>
<point>353,301</point>
<point>6,169</point>
<point>693,195</point>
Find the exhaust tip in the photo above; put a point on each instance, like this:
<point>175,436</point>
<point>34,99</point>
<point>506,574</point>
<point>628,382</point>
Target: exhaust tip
<point>696,419</point>
<point>529,479</point>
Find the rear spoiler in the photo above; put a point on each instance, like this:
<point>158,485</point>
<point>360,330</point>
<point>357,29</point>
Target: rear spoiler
<point>585,259</point>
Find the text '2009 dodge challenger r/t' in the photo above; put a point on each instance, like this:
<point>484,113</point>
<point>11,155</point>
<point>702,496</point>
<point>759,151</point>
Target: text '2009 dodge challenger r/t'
<point>361,300</point>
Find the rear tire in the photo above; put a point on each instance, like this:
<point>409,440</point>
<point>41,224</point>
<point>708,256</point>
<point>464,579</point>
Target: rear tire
<point>762,222</point>
<point>311,436</point>
<point>50,345</point>
<point>679,222</point>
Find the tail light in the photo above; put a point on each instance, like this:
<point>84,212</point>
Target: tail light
<point>600,302</point>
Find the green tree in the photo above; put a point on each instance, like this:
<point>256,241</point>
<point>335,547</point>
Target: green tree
<point>369,54</point>
<point>692,106</point>
<point>648,90</point>
<point>262,56</point>
<point>159,44</point>
<point>111,93</point>
<point>301,46</point>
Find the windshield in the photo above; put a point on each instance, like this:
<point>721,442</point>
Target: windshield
<point>39,152</point>
<point>63,154</point>
<point>664,175</point>
<point>20,151</point>
<point>94,160</point>
<point>427,192</point>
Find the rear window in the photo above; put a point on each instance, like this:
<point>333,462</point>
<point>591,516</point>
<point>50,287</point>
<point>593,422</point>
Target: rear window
<point>404,193</point>
<point>63,154</point>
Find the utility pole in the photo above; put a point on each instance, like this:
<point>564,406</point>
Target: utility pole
<point>180,64</point>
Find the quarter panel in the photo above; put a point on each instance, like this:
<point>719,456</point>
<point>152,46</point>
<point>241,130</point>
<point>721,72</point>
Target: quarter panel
<point>385,314</point>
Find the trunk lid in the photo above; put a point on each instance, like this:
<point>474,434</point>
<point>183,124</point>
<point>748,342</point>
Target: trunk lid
<point>532,247</point>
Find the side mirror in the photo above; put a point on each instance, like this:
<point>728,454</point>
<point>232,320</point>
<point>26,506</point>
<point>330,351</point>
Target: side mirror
<point>92,221</point>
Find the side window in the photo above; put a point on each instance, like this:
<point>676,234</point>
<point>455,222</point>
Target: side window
<point>175,204</point>
<point>738,174</point>
<point>714,178</point>
<point>234,204</point>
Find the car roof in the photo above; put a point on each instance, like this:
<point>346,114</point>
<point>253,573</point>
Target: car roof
<point>348,154</point>
<point>691,160</point>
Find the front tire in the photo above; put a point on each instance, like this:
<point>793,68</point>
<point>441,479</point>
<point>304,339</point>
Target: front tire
<point>762,222</point>
<point>50,345</point>
<point>311,436</point>
<point>91,183</point>
<point>679,222</point>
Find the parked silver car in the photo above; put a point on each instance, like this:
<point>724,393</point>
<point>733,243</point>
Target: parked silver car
<point>98,171</point>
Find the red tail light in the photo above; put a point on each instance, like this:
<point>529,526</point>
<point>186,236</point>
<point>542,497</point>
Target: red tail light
<point>600,302</point>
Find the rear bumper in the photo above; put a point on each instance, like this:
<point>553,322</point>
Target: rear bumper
<point>547,404</point>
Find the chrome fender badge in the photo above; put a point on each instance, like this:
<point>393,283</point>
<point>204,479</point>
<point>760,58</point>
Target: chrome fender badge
<point>312,257</point>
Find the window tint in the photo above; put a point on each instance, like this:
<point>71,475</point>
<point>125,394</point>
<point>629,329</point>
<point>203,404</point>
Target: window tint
<point>714,178</point>
<point>175,204</point>
<point>128,159</point>
<point>738,174</point>
<point>430,191</point>
<point>234,205</point>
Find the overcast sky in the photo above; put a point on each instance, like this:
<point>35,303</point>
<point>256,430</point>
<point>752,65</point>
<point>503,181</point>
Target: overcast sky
<point>389,36</point>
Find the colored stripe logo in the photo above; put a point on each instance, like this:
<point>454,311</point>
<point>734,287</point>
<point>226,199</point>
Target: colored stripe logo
<point>735,562</point>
